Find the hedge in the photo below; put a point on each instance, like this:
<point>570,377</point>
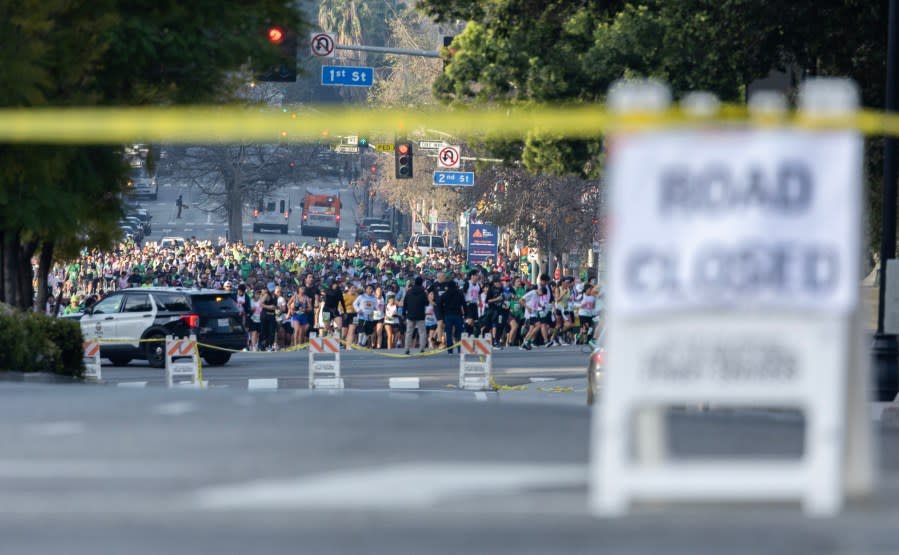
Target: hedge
<point>31,342</point>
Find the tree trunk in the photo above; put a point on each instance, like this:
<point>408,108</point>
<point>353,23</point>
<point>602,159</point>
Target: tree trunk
<point>235,208</point>
<point>10,273</point>
<point>26,274</point>
<point>2,267</point>
<point>43,269</point>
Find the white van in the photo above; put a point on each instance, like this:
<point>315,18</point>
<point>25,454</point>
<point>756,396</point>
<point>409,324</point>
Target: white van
<point>427,243</point>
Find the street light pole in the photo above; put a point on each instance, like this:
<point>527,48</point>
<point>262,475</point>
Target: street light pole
<point>885,349</point>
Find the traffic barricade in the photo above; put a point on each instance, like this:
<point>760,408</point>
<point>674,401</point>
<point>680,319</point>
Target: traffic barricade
<point>92,369</point>
<point>475,374</point>
<point>181,348</point>
<point>324,374</point>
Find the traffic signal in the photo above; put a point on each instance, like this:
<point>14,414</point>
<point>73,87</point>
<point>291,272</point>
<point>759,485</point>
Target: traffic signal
<point>403,154</point>
<point>285,70</point>
<point>363,142</point>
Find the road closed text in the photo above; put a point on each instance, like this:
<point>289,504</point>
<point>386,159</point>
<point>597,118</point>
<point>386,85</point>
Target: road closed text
<point>702,223</point>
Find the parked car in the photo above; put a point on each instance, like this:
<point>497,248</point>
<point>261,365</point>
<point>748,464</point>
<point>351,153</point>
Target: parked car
<point>136,314</point>
<point>132,230</point>
<point>143,215</point>
<point>137,222</point>
<point>362,227</point>
<point>377,237</point>
<point>427,243</point>
<point>171,242</point>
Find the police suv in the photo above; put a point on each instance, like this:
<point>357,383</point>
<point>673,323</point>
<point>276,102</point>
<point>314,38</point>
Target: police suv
<point>125,319</point>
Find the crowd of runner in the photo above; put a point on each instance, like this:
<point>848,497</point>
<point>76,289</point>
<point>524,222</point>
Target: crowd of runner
<point>378,298</point>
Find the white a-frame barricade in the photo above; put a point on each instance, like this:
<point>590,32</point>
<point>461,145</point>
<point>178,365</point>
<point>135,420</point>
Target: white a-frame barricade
<point>177,369</point>
<point>475,363</point>
<point>92,369</point>
<point>733,281</point>
<point>324,374</point>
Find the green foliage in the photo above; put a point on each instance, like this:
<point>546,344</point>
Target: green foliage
<point>90,52</point>
<point>563,51</point>
<point>37,343</point>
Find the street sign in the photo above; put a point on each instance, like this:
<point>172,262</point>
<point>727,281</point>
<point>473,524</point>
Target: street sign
<point>347,76</point>
<point>482,243</point>
<point>733,271</point>
<point>322,44</point>
<point>430,145</point>
<point>384,147</point>
<point>346,149</point>
<point>351,140</point>
<point>454,179</point>
<point>449,156</point>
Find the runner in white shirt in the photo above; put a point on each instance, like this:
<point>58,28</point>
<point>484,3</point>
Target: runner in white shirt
<point>586,310</point>
<point>365,306</point>
<point>535,302</point>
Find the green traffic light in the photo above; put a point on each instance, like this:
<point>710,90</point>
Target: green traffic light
<point>363,141</point>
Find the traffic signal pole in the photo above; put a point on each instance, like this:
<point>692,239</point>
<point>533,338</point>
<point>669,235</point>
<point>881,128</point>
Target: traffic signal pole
<point>388,50</point>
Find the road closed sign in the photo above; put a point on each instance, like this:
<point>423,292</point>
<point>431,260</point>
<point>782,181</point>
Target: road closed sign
<point>713,219</point>
<point>733,276</point>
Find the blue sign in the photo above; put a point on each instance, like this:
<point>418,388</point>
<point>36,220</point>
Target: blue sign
<point>454,179</point>
<point>347,76</point>
<point>482,243</point>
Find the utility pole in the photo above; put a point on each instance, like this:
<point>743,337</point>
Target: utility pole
<point>885,350</point>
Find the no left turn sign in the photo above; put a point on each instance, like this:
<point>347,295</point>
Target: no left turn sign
<point>322,44</point>
<point>449,157</point>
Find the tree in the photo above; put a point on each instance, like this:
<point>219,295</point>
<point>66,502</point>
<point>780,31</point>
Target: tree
<point>407,81</point>
<point>79,52</point>
<point>553,212</point>
<point>523,51</point>
<point>357,22</point>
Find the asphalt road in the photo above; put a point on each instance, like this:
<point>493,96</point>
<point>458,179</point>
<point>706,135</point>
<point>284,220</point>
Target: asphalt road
<point>197,222</point>
<point>90,469</point>
<point>366,370</point>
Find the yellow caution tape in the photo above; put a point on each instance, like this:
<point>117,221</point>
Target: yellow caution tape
<point>230,124</point>
<point>499,387</point>
<point>354,347</point>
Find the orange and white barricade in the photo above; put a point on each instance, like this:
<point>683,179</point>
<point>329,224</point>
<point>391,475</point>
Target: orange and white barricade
<point>476,363</point>
<point>92,360</point>
<point>324,374</point>
<point>176,370</point>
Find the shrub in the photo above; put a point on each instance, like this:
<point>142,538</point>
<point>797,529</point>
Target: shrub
<point>31,342</point>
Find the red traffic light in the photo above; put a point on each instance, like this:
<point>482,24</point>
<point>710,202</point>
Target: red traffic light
<point>275,35</point>
<point>374,169</point>
<point>402,148</point>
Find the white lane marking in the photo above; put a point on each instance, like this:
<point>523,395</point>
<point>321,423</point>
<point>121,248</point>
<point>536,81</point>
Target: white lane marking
<point>188,229</point>
<point>91,468</point>
<point>557,370</point>
<point>541,380</point>
<point>55,429</point>
<point>132,384</point>
<point>404,485</point>
<point>175,408</point>
<point>255,384</point>
<point>404,383</point>
<point>480,396</point>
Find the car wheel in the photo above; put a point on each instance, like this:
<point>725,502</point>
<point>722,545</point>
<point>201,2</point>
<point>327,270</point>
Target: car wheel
<point>216,358</point>
<point>155,351</point>
<point>119,360</point>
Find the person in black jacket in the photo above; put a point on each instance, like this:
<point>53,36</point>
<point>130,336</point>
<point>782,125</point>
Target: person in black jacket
<point>452,305</point>
<point>414,303</point>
